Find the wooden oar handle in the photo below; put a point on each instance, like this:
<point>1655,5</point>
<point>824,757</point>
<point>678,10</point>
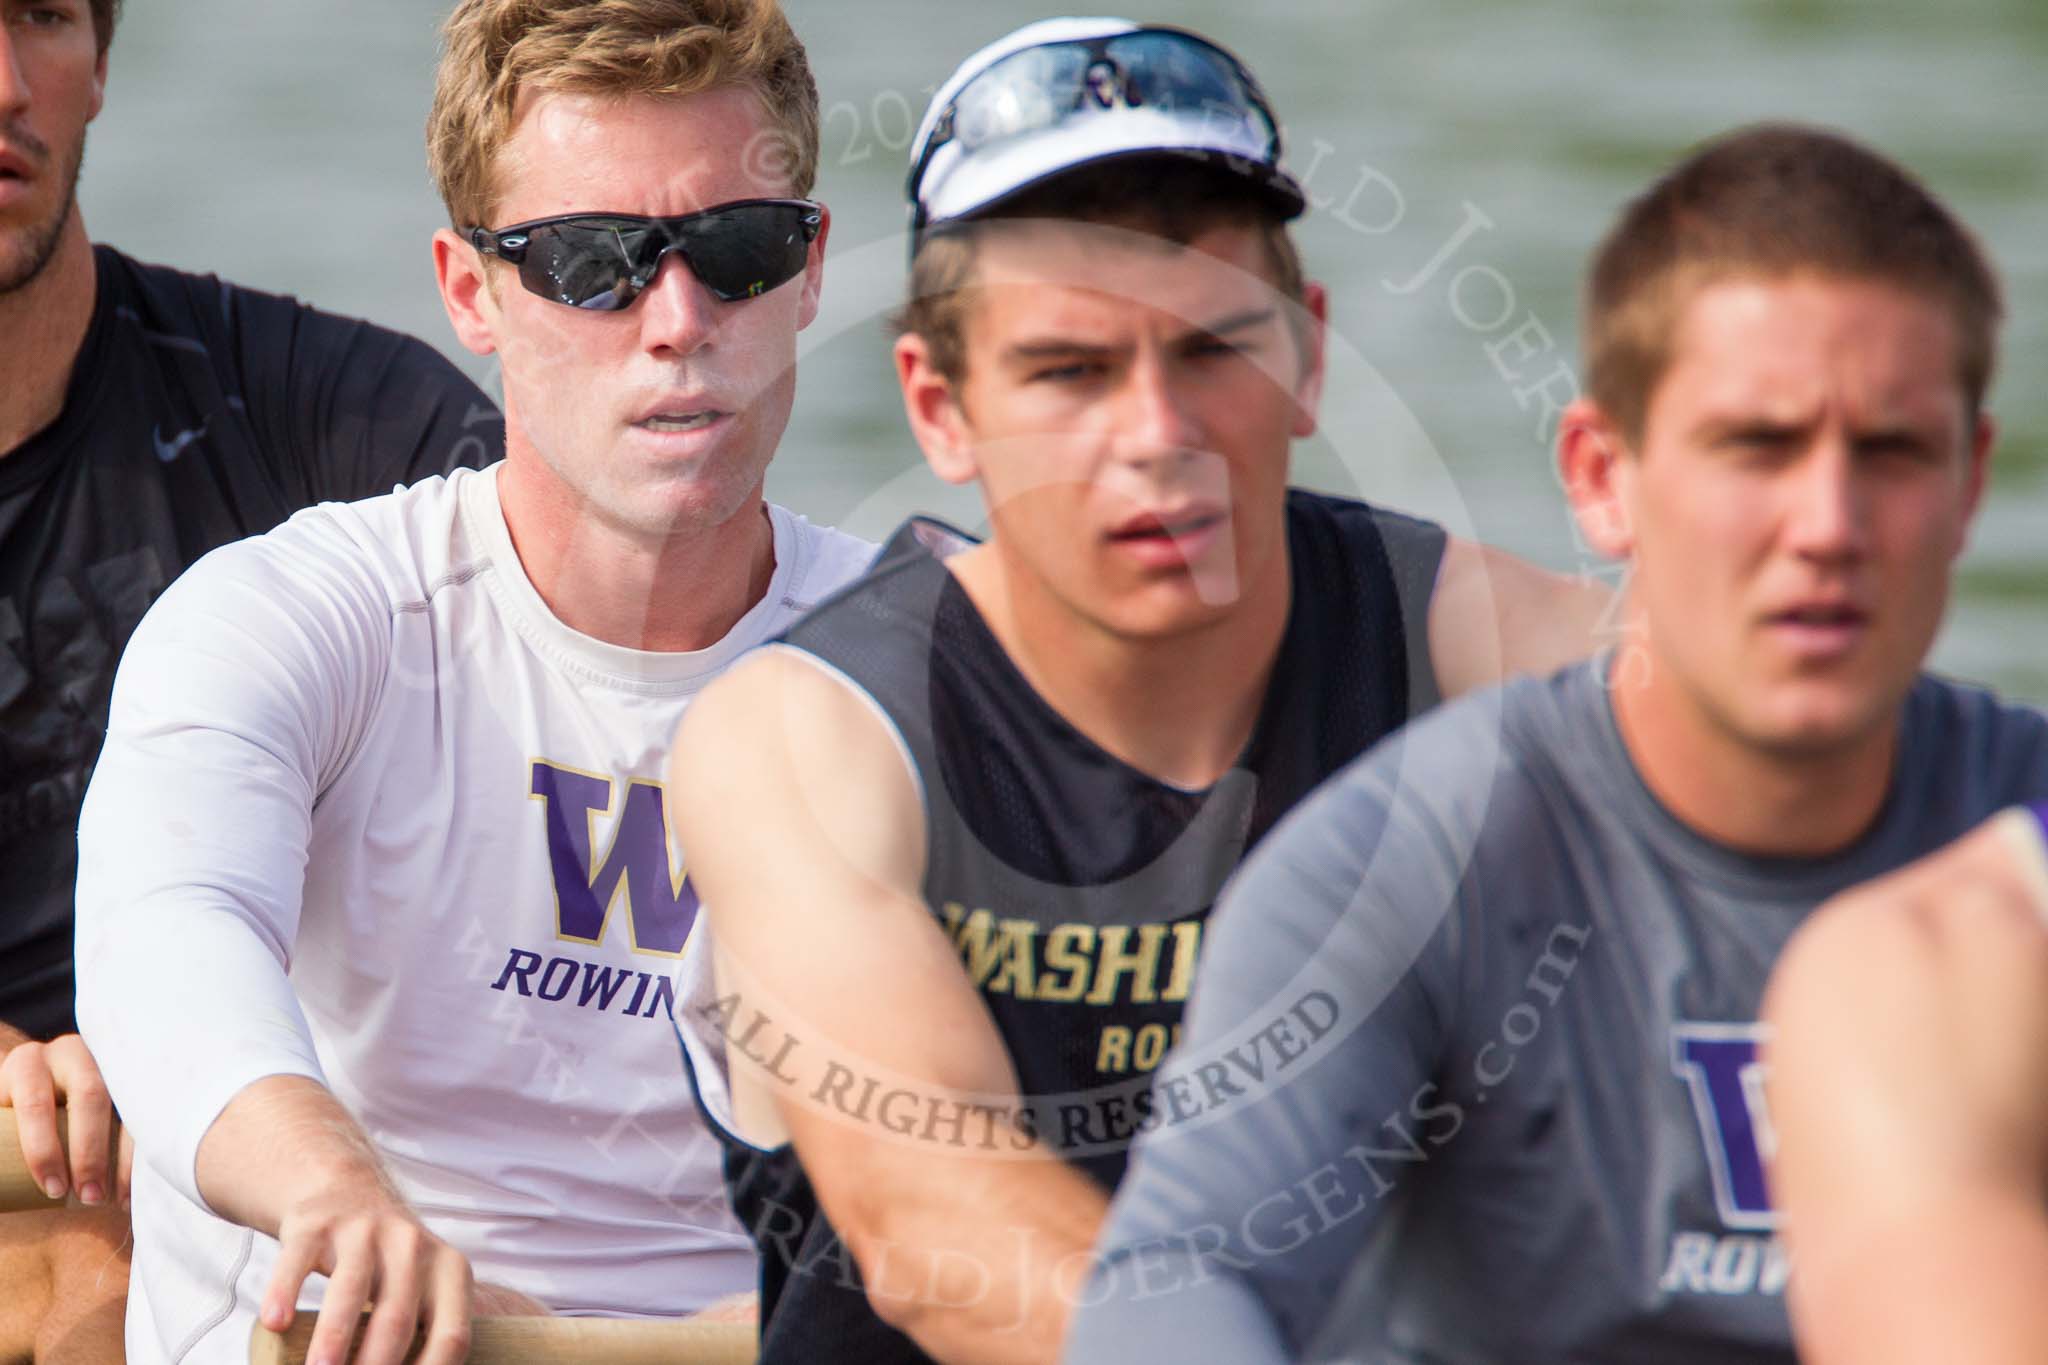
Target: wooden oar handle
<point>571,1341</point>
<point>18,1189</point>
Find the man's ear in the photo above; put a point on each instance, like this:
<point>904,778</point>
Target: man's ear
<point>99,85</point>
<point>472,311</point>
<point>933,407</point>
<point>1982,439</point>
<point>1310,324</point>
<point>1596,467</point>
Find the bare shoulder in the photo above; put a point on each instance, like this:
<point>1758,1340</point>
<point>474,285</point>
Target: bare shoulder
<point>1495,614</point>
<point>785,771</point>
<point>782,708</point>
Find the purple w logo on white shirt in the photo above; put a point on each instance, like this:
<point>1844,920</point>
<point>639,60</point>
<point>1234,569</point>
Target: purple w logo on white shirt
<point>661,905</point>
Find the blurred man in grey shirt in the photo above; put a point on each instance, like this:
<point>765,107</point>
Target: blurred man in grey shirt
<point>1478,1030</point>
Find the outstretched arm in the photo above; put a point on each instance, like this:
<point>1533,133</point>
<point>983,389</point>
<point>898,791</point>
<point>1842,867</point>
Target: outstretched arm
<point>1322,995</point>
<point>1906,1070</point>
<point>236,701</point>
<point>806,839</point>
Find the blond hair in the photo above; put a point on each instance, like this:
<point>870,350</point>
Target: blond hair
<point>493,51</point>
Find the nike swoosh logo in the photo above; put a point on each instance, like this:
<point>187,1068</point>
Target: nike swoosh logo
<point>170,450</point>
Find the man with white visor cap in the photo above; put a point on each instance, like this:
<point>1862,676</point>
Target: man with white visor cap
<point>958,832</point>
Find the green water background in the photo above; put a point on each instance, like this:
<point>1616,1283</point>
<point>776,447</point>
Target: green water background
<point>279,144</point>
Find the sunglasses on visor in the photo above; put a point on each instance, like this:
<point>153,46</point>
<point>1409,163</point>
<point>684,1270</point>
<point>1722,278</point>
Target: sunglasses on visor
<point>601,261</point>
<point>1168,70</point>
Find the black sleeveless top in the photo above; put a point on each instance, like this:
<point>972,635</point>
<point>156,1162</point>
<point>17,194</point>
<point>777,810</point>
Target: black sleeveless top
<point>1076,887</point>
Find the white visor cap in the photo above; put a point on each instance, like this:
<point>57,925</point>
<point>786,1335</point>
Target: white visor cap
<point>957,182</point>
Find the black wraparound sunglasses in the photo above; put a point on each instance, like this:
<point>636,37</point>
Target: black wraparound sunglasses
<point>601,261</point>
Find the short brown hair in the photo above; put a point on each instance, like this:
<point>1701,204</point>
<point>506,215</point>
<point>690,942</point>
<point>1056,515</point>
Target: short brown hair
<point>105,14</point>
<point>494,50</point>
<point>1173,198</point>
<point>1774,199</point>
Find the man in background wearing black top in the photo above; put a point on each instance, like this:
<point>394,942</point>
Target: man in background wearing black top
<point>146,416</point>
<point>959,834</point>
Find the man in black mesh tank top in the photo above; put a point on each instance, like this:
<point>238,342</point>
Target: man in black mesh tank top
<point>960,831</point>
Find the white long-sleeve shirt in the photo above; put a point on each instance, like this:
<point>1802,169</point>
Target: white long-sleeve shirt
<point>369,813</point>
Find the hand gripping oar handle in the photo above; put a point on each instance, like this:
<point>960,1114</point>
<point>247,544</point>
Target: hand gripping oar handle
<point>18,1189</point>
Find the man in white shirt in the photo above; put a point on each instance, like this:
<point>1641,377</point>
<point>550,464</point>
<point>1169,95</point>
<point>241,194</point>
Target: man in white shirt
<point>377,903</point>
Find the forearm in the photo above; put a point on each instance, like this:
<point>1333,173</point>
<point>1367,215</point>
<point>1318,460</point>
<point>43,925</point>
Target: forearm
<point>1164,1301</point>
<point>1222,1235</point>
<point>1338,942</point>
<point>278,1141</point>
<point>1911,1141</point>
<point>1961,1280</point>
<point>982,1264</point>
<point>25,1242</point>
